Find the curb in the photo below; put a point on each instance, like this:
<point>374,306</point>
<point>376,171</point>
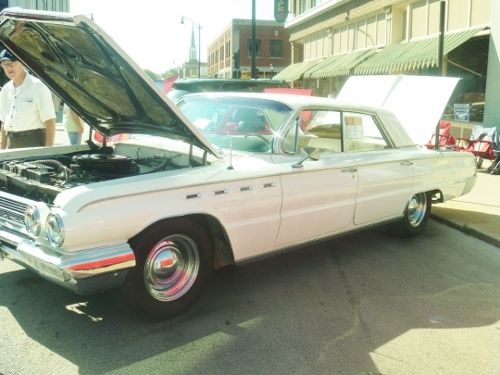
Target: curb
<point>467,230</point>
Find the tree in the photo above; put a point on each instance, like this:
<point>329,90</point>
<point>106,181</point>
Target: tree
<point>169,73</point>
<point>154,76</point>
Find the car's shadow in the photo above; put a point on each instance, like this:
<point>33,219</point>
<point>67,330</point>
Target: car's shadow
<point>327,308</point>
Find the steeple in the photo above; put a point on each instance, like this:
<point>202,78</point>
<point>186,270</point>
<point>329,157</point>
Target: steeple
<point>192,49</point>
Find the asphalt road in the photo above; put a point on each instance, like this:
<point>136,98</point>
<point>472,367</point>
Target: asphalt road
<point>368,303</point>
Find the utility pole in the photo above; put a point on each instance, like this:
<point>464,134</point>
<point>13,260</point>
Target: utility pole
<point>441,38</point>
<point>440,61</point>
<point>254,42</point>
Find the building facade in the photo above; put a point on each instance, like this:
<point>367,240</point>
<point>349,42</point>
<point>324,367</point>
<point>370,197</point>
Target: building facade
<point>230,54</point>
<point>333,39</point>
<point>52,5</point>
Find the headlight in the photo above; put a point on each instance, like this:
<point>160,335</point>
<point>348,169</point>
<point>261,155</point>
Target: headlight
<point>32,220</point>
<point>55,230</point>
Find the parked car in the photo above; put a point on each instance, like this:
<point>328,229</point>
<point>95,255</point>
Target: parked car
<point>215,180</point>
<point>182,87</point>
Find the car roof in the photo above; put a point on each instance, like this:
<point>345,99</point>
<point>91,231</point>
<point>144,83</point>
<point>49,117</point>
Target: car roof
<point>297,102</point>
<point>195,81</point>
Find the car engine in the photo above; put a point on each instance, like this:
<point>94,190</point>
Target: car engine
<point>43,179</point>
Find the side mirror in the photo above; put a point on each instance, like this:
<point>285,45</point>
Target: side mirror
<point>307,153</point>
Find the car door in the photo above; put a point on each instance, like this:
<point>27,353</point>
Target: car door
<point>318,197</point>
<point>384,173</point>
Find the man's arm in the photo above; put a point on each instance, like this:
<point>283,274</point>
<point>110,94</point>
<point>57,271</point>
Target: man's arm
<point>50,131</point>
<point>77,120</point>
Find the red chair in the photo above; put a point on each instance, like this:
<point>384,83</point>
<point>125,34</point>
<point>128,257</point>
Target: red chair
<point>446,140</point>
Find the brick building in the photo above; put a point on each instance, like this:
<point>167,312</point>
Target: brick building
<point>230,54</point>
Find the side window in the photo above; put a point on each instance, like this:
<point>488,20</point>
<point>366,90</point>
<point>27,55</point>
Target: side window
<point>361,133</point>
<point>334,131</point>
<point>321,129</point>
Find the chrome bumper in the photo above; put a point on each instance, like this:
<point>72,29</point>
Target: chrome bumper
<point>84,272</point>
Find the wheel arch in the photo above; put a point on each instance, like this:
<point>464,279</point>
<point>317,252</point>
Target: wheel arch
<point>223,252</point>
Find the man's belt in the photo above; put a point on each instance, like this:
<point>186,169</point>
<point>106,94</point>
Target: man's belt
<point>24,133</point>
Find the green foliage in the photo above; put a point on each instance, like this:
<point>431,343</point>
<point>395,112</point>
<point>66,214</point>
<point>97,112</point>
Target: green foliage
<point>154,76</point>
<point>169,73</point>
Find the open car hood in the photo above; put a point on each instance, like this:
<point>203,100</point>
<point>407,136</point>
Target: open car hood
<point>417,102</point>
<point>89,72</point>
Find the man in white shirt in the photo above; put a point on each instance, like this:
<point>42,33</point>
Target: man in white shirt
<point>26,108</point>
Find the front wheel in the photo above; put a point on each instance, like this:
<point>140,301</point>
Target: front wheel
<point>416,215</point>
<point>174,263</point>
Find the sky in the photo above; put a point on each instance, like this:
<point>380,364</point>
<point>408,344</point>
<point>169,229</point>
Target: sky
<point>152,34</point>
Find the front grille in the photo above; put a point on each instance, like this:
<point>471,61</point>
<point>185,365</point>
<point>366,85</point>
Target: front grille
<point>12,211</point>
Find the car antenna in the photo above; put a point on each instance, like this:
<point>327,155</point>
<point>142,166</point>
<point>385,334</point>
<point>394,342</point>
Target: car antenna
<point>230,167</point>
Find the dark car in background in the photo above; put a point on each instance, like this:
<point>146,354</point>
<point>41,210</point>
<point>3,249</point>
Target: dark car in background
<point>188,86</point>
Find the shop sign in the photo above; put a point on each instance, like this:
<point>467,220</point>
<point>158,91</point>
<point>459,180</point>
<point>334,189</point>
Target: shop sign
<point>462,112</point>
<point>280,10</point>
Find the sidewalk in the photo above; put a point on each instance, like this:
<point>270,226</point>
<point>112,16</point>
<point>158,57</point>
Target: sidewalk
<point>476,213</point>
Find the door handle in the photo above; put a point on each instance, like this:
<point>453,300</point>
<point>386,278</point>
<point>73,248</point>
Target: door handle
<point>349,170</point>
<point>407,163</point>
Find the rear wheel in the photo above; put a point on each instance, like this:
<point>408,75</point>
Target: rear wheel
<point>174,263</point>
<point>416,215</point>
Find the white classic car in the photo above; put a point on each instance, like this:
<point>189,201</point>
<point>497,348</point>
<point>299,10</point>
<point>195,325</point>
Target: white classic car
<point>215,180</point>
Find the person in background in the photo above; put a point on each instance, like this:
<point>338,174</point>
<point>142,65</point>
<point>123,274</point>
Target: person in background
<point>73,124</point>
<point>26,108</point>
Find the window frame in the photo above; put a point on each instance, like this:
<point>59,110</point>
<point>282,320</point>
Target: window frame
<point>294,132</point>
<point>258,50</point>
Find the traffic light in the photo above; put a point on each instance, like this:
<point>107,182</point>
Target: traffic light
<point>236,60</point>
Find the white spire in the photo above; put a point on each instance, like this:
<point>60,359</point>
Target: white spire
<point>192,48</point>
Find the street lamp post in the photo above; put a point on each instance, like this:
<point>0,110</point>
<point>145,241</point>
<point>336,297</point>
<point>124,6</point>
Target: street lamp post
<point>198,25</point>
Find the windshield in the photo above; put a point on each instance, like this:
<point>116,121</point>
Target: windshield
<point>245,124</point>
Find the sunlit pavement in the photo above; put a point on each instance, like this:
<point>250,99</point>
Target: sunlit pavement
<point>478,212</point>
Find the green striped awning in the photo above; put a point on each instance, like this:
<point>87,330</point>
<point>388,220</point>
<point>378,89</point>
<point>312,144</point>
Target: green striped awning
<point>338,65</point>
<point>295,71</point>
<point>412,55</point>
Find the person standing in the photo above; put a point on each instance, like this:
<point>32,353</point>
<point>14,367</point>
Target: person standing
<point>73,124</point>
<point>27,110</point>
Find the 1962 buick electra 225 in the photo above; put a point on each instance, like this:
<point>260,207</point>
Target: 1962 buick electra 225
<point>213,180</point>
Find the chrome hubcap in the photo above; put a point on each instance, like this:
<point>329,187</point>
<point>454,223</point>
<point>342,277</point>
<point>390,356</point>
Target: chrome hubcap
<point>171,267</point>
<point>417,208</point>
